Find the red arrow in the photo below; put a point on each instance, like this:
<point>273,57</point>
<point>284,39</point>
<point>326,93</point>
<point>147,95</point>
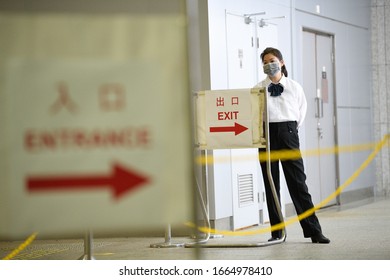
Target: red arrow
<point>237,128</point>
<point>120,181</point>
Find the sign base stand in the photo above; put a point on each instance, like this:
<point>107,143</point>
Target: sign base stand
<point>168,240</point>
<point>201,237</point>
<point>204,236</point>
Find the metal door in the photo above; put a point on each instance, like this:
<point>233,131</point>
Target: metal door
<point>318,84</point>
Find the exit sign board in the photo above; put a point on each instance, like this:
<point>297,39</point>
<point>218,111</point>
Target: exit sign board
<point>229,119</point>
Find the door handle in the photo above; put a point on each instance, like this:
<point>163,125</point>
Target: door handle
<point>319,107</point>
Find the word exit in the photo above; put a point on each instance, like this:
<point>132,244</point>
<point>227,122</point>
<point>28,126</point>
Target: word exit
<point>227,115</point>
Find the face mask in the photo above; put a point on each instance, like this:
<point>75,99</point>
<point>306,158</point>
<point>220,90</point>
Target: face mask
<point>271,68</point>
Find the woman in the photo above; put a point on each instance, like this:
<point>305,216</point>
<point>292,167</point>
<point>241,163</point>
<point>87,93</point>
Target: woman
<point>287,109</point>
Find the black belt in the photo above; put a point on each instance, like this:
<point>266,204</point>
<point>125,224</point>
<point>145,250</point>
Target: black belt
<point>283,124</point>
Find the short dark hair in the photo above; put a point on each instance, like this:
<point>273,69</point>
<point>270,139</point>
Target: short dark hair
<point>276,53</point>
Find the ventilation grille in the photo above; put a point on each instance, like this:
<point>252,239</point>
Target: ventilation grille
<point>245,190</point>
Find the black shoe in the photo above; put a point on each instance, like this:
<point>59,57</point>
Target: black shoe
<point>319,238</point>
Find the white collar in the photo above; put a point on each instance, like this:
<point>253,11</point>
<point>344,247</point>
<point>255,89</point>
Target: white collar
<point>282,81</point>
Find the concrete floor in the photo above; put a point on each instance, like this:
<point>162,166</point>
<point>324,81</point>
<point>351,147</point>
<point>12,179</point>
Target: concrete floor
<point>358,231</point>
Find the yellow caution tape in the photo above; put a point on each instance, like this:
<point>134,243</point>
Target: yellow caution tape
<point>377,148</point>
<point>292,154</point>
<point>21,247</point>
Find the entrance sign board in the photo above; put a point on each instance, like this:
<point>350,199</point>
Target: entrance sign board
<point>89,121</point>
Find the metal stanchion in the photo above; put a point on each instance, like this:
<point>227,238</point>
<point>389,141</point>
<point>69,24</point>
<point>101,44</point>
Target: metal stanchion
<point>269,173</point>
<point>168,240</point>
<point>88,246</point>
<point>205,210</point>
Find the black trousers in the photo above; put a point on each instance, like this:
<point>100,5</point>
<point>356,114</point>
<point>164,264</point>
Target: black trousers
<point>284,136</point>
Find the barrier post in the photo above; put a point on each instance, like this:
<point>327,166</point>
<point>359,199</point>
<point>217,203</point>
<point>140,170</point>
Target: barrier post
<point>88,246</point>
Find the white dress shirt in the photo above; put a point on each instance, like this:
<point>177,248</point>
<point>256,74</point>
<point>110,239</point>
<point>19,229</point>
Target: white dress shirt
<point>291,105</point>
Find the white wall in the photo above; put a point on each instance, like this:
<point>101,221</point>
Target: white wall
<point>381,88</point>
<point>217,9</point>
<point>354,12</point>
